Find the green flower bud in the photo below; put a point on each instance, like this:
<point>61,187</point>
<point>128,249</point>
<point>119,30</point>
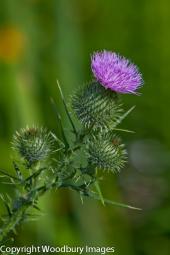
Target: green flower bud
<point>106,152</point>
<point>96,107</point>
<point>33,144</point>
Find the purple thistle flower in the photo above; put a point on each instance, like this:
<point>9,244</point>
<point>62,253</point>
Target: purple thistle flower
<point>115,72</point>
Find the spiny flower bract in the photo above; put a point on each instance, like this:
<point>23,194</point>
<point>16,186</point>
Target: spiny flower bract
<point>106,152</point>
<point>115,72</point>
<point>33,144</point>
<point>96,107</point>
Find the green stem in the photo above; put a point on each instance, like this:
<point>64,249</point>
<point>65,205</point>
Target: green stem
<point>28,202</point>
<point>13,221</point>
<point>18,214</point>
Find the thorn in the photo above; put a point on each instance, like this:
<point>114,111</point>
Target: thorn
<point>66,143</point>
<point>81,198</point>
<point>99,192</point>
<point>124,116</point>
<point>8,175</point>
<point>124,130</point>
<point>14,231</point>
<point>6,205</point>
<point>37,208</point>
<point>18,172</point>
<point>66,109</point>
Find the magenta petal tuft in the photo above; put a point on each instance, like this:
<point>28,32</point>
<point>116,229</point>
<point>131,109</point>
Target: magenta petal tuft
<point>115,72</point>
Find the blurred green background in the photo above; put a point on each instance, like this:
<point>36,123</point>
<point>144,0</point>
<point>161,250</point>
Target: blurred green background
<point>41,40</point>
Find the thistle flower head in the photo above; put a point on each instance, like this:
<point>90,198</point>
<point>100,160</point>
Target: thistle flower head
<point>106,152</point>
<point>96,107</point>
<point>33,144</point>
<point>115,72</point>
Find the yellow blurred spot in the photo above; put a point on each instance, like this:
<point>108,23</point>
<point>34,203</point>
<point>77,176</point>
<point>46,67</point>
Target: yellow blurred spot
<point>11,44</point>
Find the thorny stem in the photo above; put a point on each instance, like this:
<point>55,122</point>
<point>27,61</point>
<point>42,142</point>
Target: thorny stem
<point>18,215</point>
<point>32,196</point>
<point>13,221</point>
<point>28,201</point>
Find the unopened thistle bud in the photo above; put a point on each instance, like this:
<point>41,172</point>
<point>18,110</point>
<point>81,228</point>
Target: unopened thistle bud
<point>96,107</point>
<point>33,144</point>
<point>106,152</point>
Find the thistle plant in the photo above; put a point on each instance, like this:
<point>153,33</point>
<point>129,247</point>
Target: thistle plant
<point>44,162</point>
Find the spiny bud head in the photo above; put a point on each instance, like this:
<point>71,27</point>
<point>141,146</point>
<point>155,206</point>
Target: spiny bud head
<point>96,107</point>
<point>33,144</point>
<point>106,152</point>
